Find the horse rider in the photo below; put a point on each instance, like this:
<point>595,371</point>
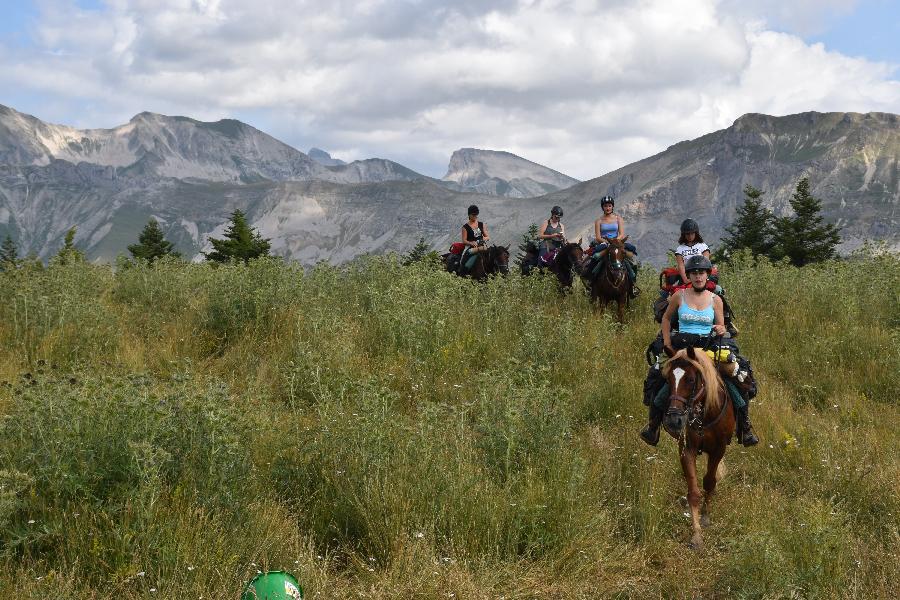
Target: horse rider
<point>553,235</point>
<point>700,314</point>
<point>475,237</point>
<point>610,226</point>
<point>689,244</point>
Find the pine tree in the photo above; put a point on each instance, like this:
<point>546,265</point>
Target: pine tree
<point>69,254</point>
<point>152,244</point>
<point>804,238</point>
<point>9,254</point>
<point>241,242</point>
<point>751,230</point>
<point>528,243</point>
<point>421,251</point>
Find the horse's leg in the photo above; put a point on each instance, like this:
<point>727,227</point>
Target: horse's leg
<point>689,467</point>
<point>710,479</point>
<point>621,309</point>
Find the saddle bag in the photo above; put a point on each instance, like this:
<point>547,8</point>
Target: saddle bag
<point>457,248</point>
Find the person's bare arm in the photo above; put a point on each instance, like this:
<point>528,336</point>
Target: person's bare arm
<point>719,310</point>
<point>597,230</point>
<point>666,325</point>
<point>679,262</point>
<point>621,224</point>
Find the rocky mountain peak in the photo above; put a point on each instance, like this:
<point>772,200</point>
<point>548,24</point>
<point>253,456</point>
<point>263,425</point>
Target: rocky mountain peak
<point>324,158</point>
<point>503,174</point>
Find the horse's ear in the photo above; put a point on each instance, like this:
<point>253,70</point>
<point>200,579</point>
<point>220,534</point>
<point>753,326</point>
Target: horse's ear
<point>691,354</point>
<point>624,239</point>
<point>579,241</point>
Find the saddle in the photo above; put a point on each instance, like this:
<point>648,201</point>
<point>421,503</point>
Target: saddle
<point>547,259</point>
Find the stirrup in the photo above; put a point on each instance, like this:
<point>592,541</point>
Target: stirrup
<point>748,437</point>
<point>650,434</point>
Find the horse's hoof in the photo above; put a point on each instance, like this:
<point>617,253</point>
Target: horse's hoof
<point>704,521</point>
<point>684,501</point>
<point>696,543</point>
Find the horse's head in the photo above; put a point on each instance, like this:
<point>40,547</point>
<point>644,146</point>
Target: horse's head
<point>574,252</point>
<point>615,254</point>
<point>694,385</point>
<point>499,259</point>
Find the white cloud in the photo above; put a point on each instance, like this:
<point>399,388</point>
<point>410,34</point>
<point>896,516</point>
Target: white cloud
<point>580,87</point>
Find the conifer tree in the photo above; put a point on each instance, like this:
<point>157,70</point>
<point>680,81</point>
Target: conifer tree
<point>69,253</point>
<point>152,244</point>
<point>241,242</point>
<point>421,251</point>
<point>804,238</point>
<point>752,228</point>
<point>9,254</point>
<point>528,242</point>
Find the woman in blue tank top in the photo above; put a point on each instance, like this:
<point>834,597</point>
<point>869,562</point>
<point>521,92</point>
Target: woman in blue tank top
<point>610,226</point>
<point>700,313</point>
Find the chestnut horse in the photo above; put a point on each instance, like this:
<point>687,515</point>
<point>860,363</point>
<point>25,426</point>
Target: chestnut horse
<point>610,283</point>
<point>701,417</point>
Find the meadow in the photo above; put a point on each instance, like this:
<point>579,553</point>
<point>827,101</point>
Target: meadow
<point>390,431</point>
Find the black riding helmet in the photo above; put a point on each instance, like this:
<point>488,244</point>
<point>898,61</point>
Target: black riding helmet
<point>607,200</point>
<point>473,210</point>
<point>698,262</point>
<point>556,211</point>
<point>689,226</point>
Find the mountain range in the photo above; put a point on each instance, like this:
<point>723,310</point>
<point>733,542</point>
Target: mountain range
<point>190,175</point>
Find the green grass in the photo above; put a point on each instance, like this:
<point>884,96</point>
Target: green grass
<point>395,432</point>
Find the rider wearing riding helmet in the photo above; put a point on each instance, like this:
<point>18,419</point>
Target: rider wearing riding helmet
<point>553,234</point>
<point>689,244</point>
<point>700,315</point>
<point>474,236</point>
<point>610,226</point>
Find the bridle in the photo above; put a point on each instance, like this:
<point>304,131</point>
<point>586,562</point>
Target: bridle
<point>615,273</point>
<point>693,407</point>
<point>494,253</point>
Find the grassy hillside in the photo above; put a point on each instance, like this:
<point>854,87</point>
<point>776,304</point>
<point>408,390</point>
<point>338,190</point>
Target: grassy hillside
<point>391,432</point>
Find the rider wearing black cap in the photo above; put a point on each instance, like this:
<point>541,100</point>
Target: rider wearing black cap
<point>474,236</point>
<point>611,226</point>
<point>700,315</point>
<point>689,244</point>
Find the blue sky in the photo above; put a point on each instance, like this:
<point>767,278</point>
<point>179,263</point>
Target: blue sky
<point>414,80</point>
<point>871,30</point>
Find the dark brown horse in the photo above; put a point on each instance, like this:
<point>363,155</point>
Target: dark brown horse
<point>701,417</point>
<point>610,283</point>
<point>567,259</point>
<point>489,260</point>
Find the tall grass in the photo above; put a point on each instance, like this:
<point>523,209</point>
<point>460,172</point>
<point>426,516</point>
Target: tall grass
<point>391,431</point>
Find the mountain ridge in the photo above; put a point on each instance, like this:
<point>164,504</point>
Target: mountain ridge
<point>377,206</point>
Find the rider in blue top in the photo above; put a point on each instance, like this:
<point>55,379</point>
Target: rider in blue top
<point>610,226</point>
<point>700,314</point>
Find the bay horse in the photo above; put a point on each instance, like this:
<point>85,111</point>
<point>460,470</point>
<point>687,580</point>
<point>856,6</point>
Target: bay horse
<point>701,417</point>
<point>489,260</point>
<point>610,283</point>
<point>567,258</point>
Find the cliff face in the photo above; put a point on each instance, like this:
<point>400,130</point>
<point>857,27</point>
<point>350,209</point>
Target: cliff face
<point>502,174</point>
<point>851,160</point>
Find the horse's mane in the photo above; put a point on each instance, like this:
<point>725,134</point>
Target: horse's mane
<point>707,369</point>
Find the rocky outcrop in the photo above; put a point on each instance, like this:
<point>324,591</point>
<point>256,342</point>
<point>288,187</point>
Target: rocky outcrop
<point>502,174</point>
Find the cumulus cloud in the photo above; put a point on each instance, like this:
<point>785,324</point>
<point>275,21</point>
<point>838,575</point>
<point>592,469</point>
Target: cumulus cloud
<point>581,86</point>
